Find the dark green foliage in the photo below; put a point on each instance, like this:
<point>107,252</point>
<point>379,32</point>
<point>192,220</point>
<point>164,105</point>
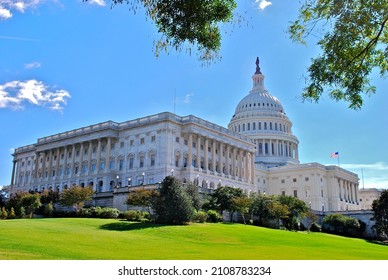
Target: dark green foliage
<point>49,196</point>
<point>48,209</point>
<point>223,197</point>
<point>200,216</point>
<point>3,197</point>
<point>315,227</point>
<point>341,225</point>
<point>143,197</point>
<point>270,210</point>
<point>192,191</point>
<point>353,37</point>
<point>133,215</point>
<point>173,205</point>
<point>213,216</point>
<point>31,202</point>
<point>380,216</point>
<point>296,208</point>
<point>75,196</point>
<point>191,22</point>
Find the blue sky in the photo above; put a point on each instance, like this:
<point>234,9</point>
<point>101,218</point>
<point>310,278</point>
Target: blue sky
<point>68,64</point>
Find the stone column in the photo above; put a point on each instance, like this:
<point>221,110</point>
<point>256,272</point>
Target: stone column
<point>270,147</point>
<point>240,164</point>
<point>198,151</point>
<point>214,159</point>
<point>98,155</point>
<point>90,150</point>
<point>72,161</point>
<point>64,163</point>
<point>81,158</point>
<point>247,166</point>
<point>44,166</point>
<point>263,147</point>
<point>206,154</point>
<point>50,167</point>
<point>227,163</point>
<point>190,152</point>
<point>221,158</point>
<point>107,154</point>
<point>253,169</point>
<point>57,163</point>
<point>13,173</point>
<point>234,162</point>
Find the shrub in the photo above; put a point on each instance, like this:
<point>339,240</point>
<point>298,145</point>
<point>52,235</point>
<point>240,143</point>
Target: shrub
<point>48,209</point>
<point>141,216</point>
<point>315,227</point>
<point>200,216</point>
<point>86,212</point>
<point>213,216</point>
<point>22,213</point>
<point>108,213</point>
<point>12,214</point>
<point>3,214</point>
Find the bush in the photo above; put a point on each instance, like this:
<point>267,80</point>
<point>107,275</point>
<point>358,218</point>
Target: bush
<point>200,216</point>
<point>315,227</point>
<point>48,209</point>
<point>108,213</point>
<point>3,214</point>
<point>86,212</point>
<point>12,214</point>
<point>140,216</point>
<point>22,213</point>
<point>213,216</point>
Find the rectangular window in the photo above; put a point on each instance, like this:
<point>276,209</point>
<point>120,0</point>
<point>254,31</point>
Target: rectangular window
<point>306,179</point>
<point>121,164</point>
<point>177,139</point>
<point>283,181</point>
<point>131,163</point>
<point>141,163</point>
<point>185,142</point>
<point>194,144</point>
<point>93,166</point>
<point>112,146</point>
<point>102,165</point>
<point>131,142</point>
<point>249,126</point>
<point>121,144</point>
<point>295,193</point>
<point>294,180</point>
<point>86,151</point>
<point>152,160</point>
<point>77,153</point>
<point>283,193</point>
<point>69,155</point>
<point>112,164</point>
<point>103,148</point>
<point>85,168</point>
<point>141,140</point>
<point>153,138</point>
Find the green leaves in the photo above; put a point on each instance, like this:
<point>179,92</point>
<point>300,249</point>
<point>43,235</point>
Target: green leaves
<point>353,44</point>
<point>187,23</point>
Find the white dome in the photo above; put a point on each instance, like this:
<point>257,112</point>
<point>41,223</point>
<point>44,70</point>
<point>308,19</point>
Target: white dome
<point>261,117</point>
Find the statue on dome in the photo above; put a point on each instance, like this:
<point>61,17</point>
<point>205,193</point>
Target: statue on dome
<point>258,71</point>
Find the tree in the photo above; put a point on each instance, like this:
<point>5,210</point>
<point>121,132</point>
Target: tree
<point>192,22</point>
<point>241,204</point>
<point>31,202</point>
<point>3,213</point>
<point>143,197</point>
<point>380,216</point>
<point>297,209</point>
<point>354,43</point>
<point>173,205</point>
<point>223,197</point>
<point>3,197</point>
<point>192,191</point>
<point>75,196</point>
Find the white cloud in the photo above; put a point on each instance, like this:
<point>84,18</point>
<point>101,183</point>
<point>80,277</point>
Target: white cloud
<point>97,2</point>
<point>263,4</point>
<point>8,6</point>
<point>16,93</point>
<point>4,13</point>
<point>187,99</point>
<point>32,65</point>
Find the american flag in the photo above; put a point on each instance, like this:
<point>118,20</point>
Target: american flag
<point>334,155</point>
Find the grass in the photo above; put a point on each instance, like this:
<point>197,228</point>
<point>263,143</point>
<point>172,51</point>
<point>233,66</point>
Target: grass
<point>93,239</point>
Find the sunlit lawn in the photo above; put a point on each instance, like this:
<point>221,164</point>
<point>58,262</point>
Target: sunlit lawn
<point>77,239</point>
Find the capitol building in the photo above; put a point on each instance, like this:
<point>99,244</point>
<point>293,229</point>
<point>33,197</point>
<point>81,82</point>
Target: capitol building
<point>258,153</point>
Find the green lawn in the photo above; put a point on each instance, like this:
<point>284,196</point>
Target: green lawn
<point>79,239</point>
